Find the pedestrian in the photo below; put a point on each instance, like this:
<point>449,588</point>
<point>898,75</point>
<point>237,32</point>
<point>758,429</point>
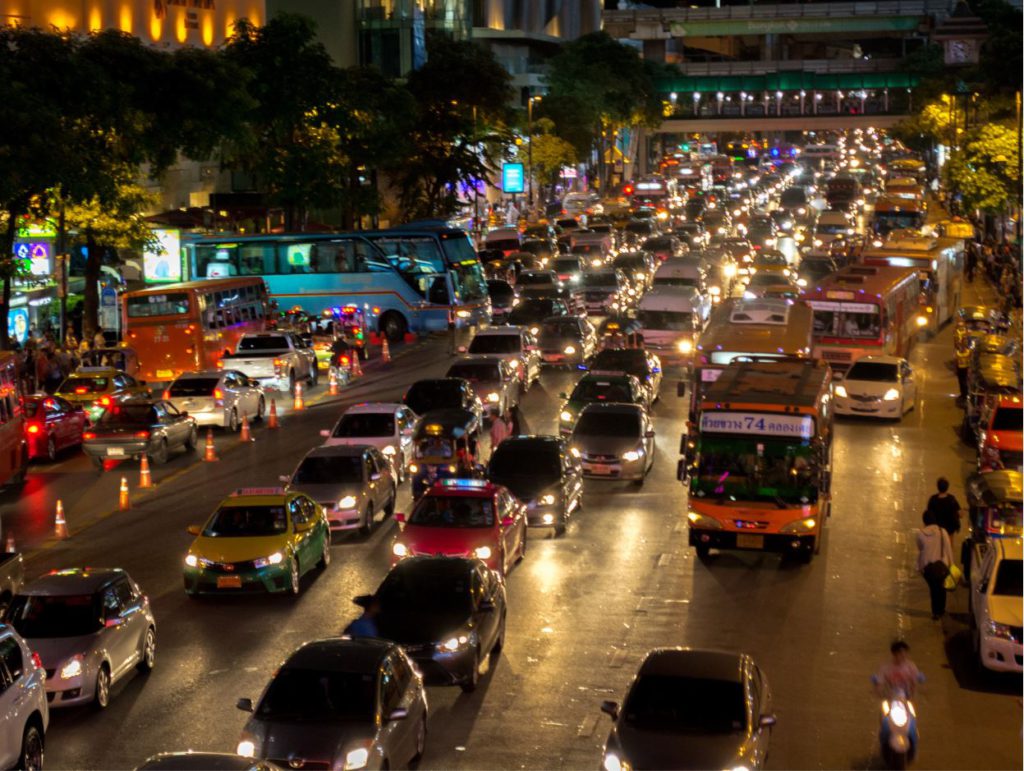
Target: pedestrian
<point>963,364</point>
<point>934,556</point>
<point>42,368</point>
<point>366,624</point>
<point>970,261</point>
<point>501,427</point>
<point>54,374</point>
<point>946,508</point>
<point>99,340</point>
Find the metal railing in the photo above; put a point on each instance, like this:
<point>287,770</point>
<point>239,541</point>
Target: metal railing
<point>824,66</point>
<point>780,11</point>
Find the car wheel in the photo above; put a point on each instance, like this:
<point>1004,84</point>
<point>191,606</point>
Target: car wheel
<point>421,742</point>
<point>294,583</point>
<point>31,758</point>
<point>314,376</point>
<point>101,694</point>
<point>325,555</point>
<point>261,408</point>
<point>473,679</point>
<point>51,449</point>
<point>364,528</point>
<point>147,660</point>
<point>392,325</point>
<point>193,440</point>
<point>233,425</point>
<point>160,456</point>
<point>703,551</point>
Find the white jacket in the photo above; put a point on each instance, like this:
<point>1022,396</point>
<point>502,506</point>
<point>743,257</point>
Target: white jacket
<point>933,546</point>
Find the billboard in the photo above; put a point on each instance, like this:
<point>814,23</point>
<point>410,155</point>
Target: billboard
<point>513,178</point>
<point>162,263</point>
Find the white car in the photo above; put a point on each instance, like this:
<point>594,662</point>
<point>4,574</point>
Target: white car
<point>388,426</point>
<point>996,604</point>
<point>514,344</point>
<point>876,386</point>
<point>494,379</point>
<point>24,713</point>
<point>218,397</point>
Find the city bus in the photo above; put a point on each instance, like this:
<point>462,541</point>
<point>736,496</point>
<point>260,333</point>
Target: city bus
<point>759,459</point>
<point>891,213</point>
<point>765,328</point>
<point>939,264</point>
<point>413,278</point>
<point>13,447</point>
<point>186,327</point>
<point>908,167</point>
<point>906,188</point>
<point>865,309</point>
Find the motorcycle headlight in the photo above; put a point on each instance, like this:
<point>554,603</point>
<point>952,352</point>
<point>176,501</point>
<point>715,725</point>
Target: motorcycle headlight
<point>72,667</point>
<point>413,468</point>
<point>348,502</point>
<point>898,714</point>
<point>357,758</point>
<point>841,391</point>
<point>389,450</point>
<point>574,452</point>
<point>891,395</point>
<point>482,552</point>
<point>818,242</point>
<point>1002,631</point>
<point>799,526</point>
<point>700,520</point>
<point>493,397</point>
<point>566,416</point>
<point>400,549</point>
<point>802,282</point>
<point>246,748</point>
<point>631,455</point>
<point>613,762</point>
<point>570,349</point>
<point>801,210</point>
<point>685,346</point>
<point>274,559</point>
<point>547,499</point>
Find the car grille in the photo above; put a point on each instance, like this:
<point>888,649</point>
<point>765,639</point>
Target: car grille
<point>749,524</point>
<point>865,398</point>
<point>595,458</point>
<point>829,355</point>
<point>418,553</point>
<point>228,567</point>
<point>303,764</point>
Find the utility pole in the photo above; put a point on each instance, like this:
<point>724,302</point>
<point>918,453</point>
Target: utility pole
<point>529,149</point>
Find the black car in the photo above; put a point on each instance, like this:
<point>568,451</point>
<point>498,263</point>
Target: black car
<point>441,394</point>
<point>691,709</point>
<point>664,247</point>
<point>530,312</point>
<point>695,208</point>
<point>503,298</point>
<point>542,473</point>
<point>814,268</point>
<point>140,427</point>
<point>641,364</point>
<point>448,613</point>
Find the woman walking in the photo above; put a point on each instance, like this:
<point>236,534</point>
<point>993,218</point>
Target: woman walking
<point>934,556</point>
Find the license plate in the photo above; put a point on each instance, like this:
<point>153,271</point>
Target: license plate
<point>229,582</point>
<point>749,541</point>
<point>117,452</point>
<point>165,373</point>
<point>599,468</point>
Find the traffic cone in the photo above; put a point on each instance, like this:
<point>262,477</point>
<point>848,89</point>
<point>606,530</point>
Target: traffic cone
<point>9,546</point>
<point>385,349</point>
<point>298,403</point>
<point>272,416</point>
<point>60,525</point>
<point>333,387</point>
<point>245,435</point>
<point>123,501</point>
<point>357,369</point>
<point>145,477</point>
<point>211,448</point>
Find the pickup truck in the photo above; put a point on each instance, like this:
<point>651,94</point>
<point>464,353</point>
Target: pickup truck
<point>12,575</point>
<point>275,359</point>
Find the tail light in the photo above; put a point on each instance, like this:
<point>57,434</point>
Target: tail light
<point>104,401</point>
<point>278,362</point>
<point>32,428</point>
<point>167,394</point>
<point>142,434</point>
<point>220,363</point>
<point>38,661</point>
<point>81,390</point>
<point>344,361</point>
<point>88,435</point>
<point>218,394</point>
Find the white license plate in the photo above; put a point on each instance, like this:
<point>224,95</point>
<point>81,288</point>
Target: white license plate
<point>116,452</point>
<point>749,541</point>
<point>167,374</point>
<point>229,582</point>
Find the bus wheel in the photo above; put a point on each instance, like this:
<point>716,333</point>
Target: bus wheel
<point>393,326</point>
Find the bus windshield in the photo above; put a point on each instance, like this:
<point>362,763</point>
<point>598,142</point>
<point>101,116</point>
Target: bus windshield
<point>468,274</point>
<point>759,468</point>
<point>847,320</point>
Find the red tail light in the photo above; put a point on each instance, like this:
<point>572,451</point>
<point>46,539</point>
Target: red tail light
<point>104,401</point>
<point>218,394</point>
<point>344,361</point>
<point>37,660</point>
<point>167,394</point>
<point>142,434</point>
<point>220,363</point>
<point>88,435</point>
<point>32,428</point>
<point>81,390</point>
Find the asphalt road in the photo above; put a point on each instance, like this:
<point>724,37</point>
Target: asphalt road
<point>584,608</point>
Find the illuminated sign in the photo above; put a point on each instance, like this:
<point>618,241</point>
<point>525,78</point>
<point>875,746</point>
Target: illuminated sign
<point>513,178</point>
<point>17,324</point>
<point>298,255</point>
<point>797,426</point>
<point>824,305</point>
<point>37,256</point>
<point>163,263</point>
<point>36,229</point>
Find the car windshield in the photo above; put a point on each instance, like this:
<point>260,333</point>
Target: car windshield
<point>38,616</point>
<point>318,696</point>
<point>194,386</point>
<point>669,280</point>
<point>560,328</point>
<point>500,291</point>
<point>247,521</point>
<point>453,511</point>
<point>593,390</point>
<point>833,228</point>
<point>82,385</point>
<point>631,262</point>
<point>603,423</point>
<point>619,360</point>
<point>425,593</point>
<point>685,705</point>
<point>666,320</point>
<point>365,424</point>
<point>495,344</point>
<point>434,395</point>
<point>434,447</point>
<point>488,372</point>
<point>874,371</point>
<point>504,244</point>
<point>524,460</point>
<point>263,343</point>
<point>755,469</point>
<point>567,265</point>
<point>1008,579</point>
<point>129,415</point>
<point>1007,419</point>
<point>329,470</point>
<point>600,280</point>
<point>536,279</point>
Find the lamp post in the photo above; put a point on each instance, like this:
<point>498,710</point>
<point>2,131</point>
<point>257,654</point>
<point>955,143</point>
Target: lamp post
<point>529,148</point>
<point>696,103</point>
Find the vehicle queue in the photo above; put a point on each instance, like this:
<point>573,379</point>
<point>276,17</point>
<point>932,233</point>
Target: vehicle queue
<point>662,288</point>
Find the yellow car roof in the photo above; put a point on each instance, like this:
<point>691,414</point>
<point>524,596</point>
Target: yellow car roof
<point>266,496</point>
<point>85,373</point>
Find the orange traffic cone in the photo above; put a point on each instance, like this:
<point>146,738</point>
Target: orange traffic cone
<point>60,525</point>
<point>272,417</point>
<point>9,547</point>
<point>145,477</point>
<point>357,369</point>
<point>333,387</point>
<point>298,404</point>
<point>245,435</point>
<point>123,501</point>
<point>385,349</point>
<point>211,448</point>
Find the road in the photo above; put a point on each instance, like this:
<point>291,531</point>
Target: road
<point>583,609</point>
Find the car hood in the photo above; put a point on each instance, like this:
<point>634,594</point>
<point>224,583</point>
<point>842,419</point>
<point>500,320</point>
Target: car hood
<point>417,628</point>
<point>526,487</point>
<point>307,740</point>
<point>237,549</point>
<point>452,541</point>
<point>1005,610</point>
<point>657,749</point>
<point>54,651</point>
<point>868,387</point>
<point>331,492</point>
<point>605,445</point>
<point>380,442</point>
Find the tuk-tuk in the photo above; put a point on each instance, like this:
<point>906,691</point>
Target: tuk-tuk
<point>973,321</point>
<point>985,345</point>
<point>444,447</point>
<point>994,503</point>
<point>993,376</point>
<point>122,359</point>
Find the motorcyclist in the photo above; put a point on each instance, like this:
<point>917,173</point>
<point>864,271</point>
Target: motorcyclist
<point>899,674</point>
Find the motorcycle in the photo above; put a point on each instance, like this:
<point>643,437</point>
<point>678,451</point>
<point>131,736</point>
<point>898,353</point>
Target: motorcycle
<point>897,736</point>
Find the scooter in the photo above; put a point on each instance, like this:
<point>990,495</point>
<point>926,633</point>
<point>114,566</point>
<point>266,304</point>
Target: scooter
<point>897,735</point>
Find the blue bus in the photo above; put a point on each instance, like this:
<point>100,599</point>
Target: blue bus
<point>407,279</point>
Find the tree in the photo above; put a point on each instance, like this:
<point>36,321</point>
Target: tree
<point>550,152</point>
<point>985,170</point>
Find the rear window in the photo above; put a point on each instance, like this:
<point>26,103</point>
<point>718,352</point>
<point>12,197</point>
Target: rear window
<point>363,425</point>
<point>129,414</point>
<point>600,279</point>
<point>92,385</point>
<point>535,279</point>
<point>194,386</point>
<point>261,343</point>
<point>504,245</point>
<point>500,292</point>
<point>170,304</point>
<point>1007,419</point>
<point>247,521</point>
<point>873,371</point>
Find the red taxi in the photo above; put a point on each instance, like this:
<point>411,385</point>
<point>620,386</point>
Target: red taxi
<point>52,424</point>
<point>465,518</point>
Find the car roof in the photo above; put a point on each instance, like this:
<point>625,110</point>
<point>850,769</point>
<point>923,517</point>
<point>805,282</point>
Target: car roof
<point>415,568</point>
<point>1010,548</point>
<point>198,761</point>
<point>374,407</point>
<point>880,359</point>
<point>511,329</point>
<point>618,408</point>
<point>68,581</point>
<point>337,451</point>
<point>686,662</point>
<point>340,654</point>
<point>206,373</point>
<point>463,488</point>
<point>532,439</point>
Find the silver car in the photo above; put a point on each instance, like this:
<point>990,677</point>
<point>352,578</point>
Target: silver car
<point>494,379</point>
<point>614,441</point>
<point>218,397</point>
<point>340,703</point>
<point>90,626</point>
<point>354,483</point>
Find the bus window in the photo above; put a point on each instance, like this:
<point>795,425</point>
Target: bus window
<point>171,304</point>
<point>255,259</point>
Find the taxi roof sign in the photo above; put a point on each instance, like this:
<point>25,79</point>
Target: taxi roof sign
<point>242,491</point>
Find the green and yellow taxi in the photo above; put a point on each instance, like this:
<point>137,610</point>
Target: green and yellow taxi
<point>258,540</point>
<point>594,387</point>
<point>96,388</point>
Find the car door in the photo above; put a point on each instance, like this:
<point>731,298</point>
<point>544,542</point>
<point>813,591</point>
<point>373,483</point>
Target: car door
<point>482,592</point>
<point>506,532</point>
<point>178,427</point>
<point>15,703</point>
<point>299,517</point>
<point>380,480</point>
<point>113,636</point>
<point>56,423</point>
<point>979,599</point>
<point>393,736</point>
<point>133,618</point>
<point>572,478</point>
<point>405,425</point>
<point>410,701</point>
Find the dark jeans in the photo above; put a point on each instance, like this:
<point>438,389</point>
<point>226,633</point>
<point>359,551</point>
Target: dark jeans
<point>961,379</point>
<point>937,591</point>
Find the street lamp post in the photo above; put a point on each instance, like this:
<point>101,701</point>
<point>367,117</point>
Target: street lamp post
<point>529,148</point>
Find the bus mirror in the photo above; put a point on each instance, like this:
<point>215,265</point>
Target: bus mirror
<point>681,470</point>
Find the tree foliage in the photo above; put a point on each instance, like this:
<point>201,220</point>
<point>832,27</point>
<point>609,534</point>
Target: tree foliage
<point>985,170</point>
<point>550,152</point>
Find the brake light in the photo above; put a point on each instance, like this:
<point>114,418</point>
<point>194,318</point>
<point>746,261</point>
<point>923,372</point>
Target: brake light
<point>167,394</point>
<point>142,434</point>
<point>88,435</point>
<point>37,660</point>
<point>81,390</point>
<point>220,363</point>
<point>344,361</point>
<point>218,394</point>
<point>33,429</point>
<point>104,401</point>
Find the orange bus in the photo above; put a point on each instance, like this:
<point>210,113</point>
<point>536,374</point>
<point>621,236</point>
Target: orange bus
<point>187,327</point>
<point>13,447</point>
<point>864,309</point>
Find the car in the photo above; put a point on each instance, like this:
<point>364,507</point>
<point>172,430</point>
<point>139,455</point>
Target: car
<point>203,761</point>
<point>691,709</point>
<point>568,269</point>
<point>514,343</point>
<point>353,483</point>
<point>683,271</point>
<point>424,396</point>
<point>770,284</point>
<point>671,319</point>
<point>599,387</point>
<point>605,290</point>
<point>614,441</point>
<point>566,340</point>
<point>495,380</point>
<point>448,613</point>
<point>339,703</point>
<point>833,224</point>
<point>465,518</point>
<point>217,398</point>
<point>577,204</point>
<point>530,282</point>
<point>131,429</point>
<point>261,539</point>
<point>24,711</point>
<point>532,310</point>
<point>506,240</point>
<point>388,426</point>
<point>503,299</point>
<point>97,388</point>
<point>665,247</point>
<point>52,424</point>
<point>89,627</point>
<point>995,603</point>
<point>638,268</point>
<point>641,364</point>
<point>876,386</point>
<point>815,268</point>
<point>544,249</point>
<point>542,473</point>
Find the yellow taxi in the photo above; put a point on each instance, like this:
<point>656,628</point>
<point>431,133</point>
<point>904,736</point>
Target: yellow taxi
<point>260,539</point>
<point>96,388</point>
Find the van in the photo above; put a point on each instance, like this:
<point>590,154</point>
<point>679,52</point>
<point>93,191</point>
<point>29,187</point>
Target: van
<point>682,272</point>
<point>670,320</point>
<point>507,240</point>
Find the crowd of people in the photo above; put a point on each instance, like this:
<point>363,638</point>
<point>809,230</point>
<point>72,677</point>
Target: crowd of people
<point>43,362</point>
<point>1000,264</point>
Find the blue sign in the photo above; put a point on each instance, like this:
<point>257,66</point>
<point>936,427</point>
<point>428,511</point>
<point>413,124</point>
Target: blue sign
<point>17,324</point>
<point>513,179</point>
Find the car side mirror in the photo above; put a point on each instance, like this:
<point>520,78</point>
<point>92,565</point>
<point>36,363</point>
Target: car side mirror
<point>284,478</point>
<point>325,433</point>
<point>375,476</point>
<point>184,413</point>
<point>399,713</point>
<point>563,395</point>
<point>767,721</point>
<point>244,704</point>
<point>610,708</point>
<point>194,529</point>
<point>648,434</point>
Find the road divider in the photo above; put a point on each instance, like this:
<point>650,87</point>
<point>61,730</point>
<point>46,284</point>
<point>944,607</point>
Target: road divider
<point>272,419</point>
<point>298,403</point>
<point>245,435</point>
<point>124,503</point>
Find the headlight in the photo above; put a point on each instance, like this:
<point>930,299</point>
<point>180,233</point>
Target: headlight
<point>841,391</point>
<point>389,450</point>
<point>274,559</point>
<point>400,549</point>
<point>547,500</point>
<point>547,519</point>
<point>685,346</point>
<point>729,270</point>
<point>72,668</point>
<point>482,552</point>
<point>574,452</point>
<point>357,758</point>
<point>570,349</point>
<point>818,242</point>
<point>801,210</point>
<point>566,416</point>
<point>452,644</point>
<point>191,560</point>
<point>639,275</point>
<point>898,714</point>
<point>493,397</point>
<point>891,395</point>
<point>348,502</point>
<point>534,330</point>
<point>463,314</point>
<point>715,291</point>
<point>799,526</point>
<point>1002,631</point>
<point>922,321</point>
<point>413,468</point>
<point>702,521</point>
<point>596,262</point>
<point>246,749</point>
<point>801,282</point>
<point>632,455</point>
<point>613,762</point>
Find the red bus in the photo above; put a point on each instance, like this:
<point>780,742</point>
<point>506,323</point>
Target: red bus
<point>187,327</point>
<point>13,447</point>
<point>864,309</point>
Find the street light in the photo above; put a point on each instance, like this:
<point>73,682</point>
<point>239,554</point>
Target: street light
<point>696,102</point>
<point>529,148</point>
<point>778,103</point>
<point>720,96</point>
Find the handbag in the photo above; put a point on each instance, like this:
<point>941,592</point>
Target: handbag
<point>936,571</point>
<point>953,579</point>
